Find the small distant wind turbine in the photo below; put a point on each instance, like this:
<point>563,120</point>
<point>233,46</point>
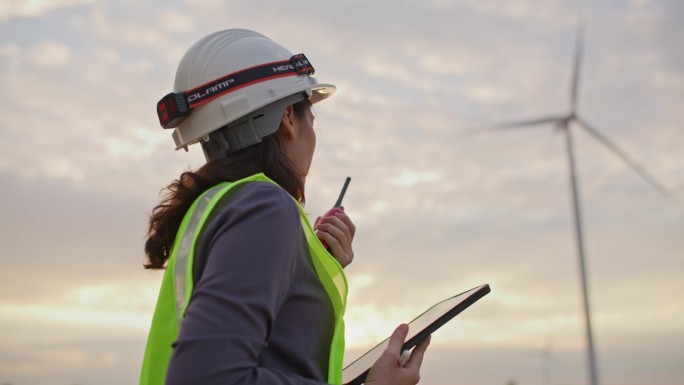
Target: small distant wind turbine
<point>547,361</point>
<point>562,123</point>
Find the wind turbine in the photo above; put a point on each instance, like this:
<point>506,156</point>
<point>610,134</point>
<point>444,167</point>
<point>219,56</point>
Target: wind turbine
<point>563,123</point>
<point>546,360</point>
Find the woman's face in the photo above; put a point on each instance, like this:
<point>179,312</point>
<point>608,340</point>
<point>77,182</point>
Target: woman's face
<point>299,138</point>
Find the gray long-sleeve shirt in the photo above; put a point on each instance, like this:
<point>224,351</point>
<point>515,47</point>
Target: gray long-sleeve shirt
<point>258,313</point>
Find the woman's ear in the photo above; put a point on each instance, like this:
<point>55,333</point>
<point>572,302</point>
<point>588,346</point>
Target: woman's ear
<point>287,124</point>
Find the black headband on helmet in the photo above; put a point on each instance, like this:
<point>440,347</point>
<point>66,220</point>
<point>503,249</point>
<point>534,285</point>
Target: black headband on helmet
<point>176,106</point>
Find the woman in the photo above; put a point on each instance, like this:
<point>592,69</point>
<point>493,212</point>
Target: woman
<point>250,295</point>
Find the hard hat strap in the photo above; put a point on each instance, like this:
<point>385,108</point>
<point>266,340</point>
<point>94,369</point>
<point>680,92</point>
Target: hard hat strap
<point>176,106</point>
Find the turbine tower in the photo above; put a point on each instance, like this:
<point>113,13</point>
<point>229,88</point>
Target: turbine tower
<point>562,123</point>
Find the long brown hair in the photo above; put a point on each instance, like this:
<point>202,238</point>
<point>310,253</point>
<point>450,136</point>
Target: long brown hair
<point>267,157</point>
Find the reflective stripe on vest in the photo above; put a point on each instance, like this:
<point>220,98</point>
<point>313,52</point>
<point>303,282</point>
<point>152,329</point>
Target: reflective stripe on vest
<point>183,272</point>
<point>177,286</point>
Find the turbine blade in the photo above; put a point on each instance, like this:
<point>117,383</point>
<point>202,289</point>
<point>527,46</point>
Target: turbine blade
<point>574,87</point>
<point>625,158</point>
<point>530,122</point>
<point>515,124</point>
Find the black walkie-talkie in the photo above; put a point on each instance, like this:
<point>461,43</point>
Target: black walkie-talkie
<point>344,191</point>
<point>337,208</point>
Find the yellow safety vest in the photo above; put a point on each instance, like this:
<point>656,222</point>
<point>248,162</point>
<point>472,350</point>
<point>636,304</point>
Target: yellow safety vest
<point>177,286</point>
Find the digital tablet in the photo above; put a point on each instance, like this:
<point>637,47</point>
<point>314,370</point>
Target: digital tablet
<point>421,327</point>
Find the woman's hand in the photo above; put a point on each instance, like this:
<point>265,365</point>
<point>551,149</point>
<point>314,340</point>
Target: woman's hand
<point>388,369</point>
<point>336,231</point>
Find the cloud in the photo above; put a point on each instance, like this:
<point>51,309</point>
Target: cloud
<point>174,20</point>
<point>10,50</point>
<point>79,236</point>
<point>69,355</point>
<point>408,178</point>
<point>49,54</point>
<point>36,8</point>
<point>108,305</point>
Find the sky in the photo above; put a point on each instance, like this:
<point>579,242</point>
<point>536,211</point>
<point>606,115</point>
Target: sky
<point>441,203</point>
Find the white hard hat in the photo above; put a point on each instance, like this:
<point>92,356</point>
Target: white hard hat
<point>228,75</point>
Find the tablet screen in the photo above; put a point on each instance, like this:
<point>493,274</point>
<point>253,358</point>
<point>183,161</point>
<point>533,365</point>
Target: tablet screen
<point>422,326</point>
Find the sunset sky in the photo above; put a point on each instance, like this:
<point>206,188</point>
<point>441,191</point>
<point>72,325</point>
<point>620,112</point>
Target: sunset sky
<point>439,207</point>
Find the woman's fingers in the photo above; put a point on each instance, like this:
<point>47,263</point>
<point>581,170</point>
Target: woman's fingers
<point>348,222</point>
<point>344,257</point>
<point>338,229</point>
<point>387,370</point>
<point>397,339</point>
<point>416,358</point>
<point>340,220</point>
